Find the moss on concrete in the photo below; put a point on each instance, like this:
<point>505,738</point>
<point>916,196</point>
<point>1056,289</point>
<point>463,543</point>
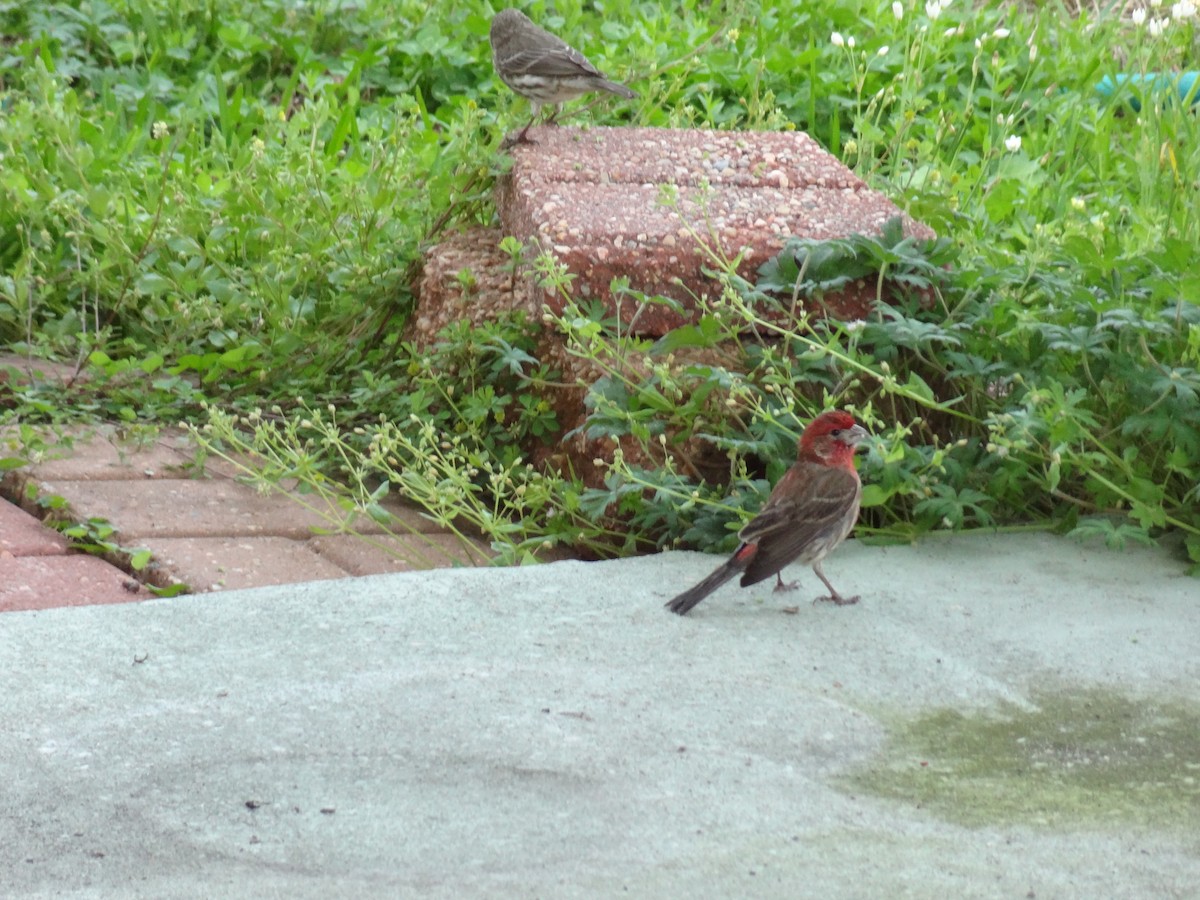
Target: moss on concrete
<point>1082,759</point>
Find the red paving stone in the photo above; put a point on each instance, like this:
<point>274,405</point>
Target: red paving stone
<point>102,455</point>
<point>207,531</point>
<point>23,535</point>
<point>226,563</point>
<point>199,508</point>
<point>44,582</point>
<point>407,553</point>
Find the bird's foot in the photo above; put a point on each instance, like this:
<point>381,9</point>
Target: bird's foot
<point>782,587</point>
<point>511,140</point>
<point>838,600</point>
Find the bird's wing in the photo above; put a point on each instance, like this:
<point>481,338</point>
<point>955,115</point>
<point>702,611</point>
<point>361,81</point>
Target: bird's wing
<point>562,62</point>
<point>811,510</point>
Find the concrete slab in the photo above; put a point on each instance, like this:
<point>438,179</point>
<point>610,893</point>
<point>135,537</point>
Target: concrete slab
<point>42,582</point>
<point>227,563</point>
<point>23,535</point>
<point>552,731</point>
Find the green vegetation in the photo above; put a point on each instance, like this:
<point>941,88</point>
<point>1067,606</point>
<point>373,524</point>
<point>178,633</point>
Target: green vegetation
<point>216,210</point>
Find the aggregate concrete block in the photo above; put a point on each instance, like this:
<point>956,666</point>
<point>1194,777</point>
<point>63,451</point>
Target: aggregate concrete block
<point>596,201</point>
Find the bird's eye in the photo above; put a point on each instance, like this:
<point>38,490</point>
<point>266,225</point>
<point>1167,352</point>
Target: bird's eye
<point>836,432</point>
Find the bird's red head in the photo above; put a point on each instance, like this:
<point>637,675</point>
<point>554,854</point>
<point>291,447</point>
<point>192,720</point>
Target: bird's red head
<point>831,438</point>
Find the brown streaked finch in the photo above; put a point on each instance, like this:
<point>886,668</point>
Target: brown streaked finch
<point>809,513</point>
<point>540,67</point>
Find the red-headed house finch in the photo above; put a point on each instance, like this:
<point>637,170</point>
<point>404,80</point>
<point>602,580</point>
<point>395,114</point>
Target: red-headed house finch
<point>811,510</point>
<point>542,68</point>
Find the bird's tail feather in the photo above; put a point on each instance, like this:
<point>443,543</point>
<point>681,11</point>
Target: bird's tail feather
<point>692,596</point>
<point>614,88</point>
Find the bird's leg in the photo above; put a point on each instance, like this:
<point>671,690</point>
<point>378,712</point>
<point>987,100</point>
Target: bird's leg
<point>523,136</point>
<point>780,586</point>
<point>834,596</point>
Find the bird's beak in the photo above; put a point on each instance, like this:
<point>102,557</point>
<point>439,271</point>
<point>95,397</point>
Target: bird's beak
<point>856,435</point>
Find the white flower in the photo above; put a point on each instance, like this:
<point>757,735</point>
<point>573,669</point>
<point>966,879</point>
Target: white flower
<point>1185,9</point>
<point>159,130</point>
<point>883,51</point>
<point>1078,204</point>
<point>837,40</point>
<point>1001,33</point>
<point>1032,52</point>
<point>1012,144</point>
<point>1157,26</point>
<point>850,42</point>
<point>933,9</point>
<point>898,10</point>
<point>1138,17</point>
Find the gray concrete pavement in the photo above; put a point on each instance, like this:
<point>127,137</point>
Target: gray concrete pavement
<point>552,732</point>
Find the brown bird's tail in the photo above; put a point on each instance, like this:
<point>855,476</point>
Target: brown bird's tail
<point>613,88</point>
<point>692,596</point>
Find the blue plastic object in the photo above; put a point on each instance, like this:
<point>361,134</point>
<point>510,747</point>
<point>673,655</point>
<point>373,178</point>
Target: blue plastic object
<point>1183,85</point>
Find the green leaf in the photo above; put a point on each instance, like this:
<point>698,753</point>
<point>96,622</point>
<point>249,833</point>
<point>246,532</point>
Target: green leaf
<point>874,495</point>
<point>152,283</point>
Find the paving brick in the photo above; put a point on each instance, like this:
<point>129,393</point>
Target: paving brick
<point>187,508</point>
<point>105,453</point>
<point>225,563</point>
<point>378,555</point>
<point>25,370</point>
<point>43,582</point>
<point>212,508</point>
<point>209,531</point>
<point>23,535</point>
